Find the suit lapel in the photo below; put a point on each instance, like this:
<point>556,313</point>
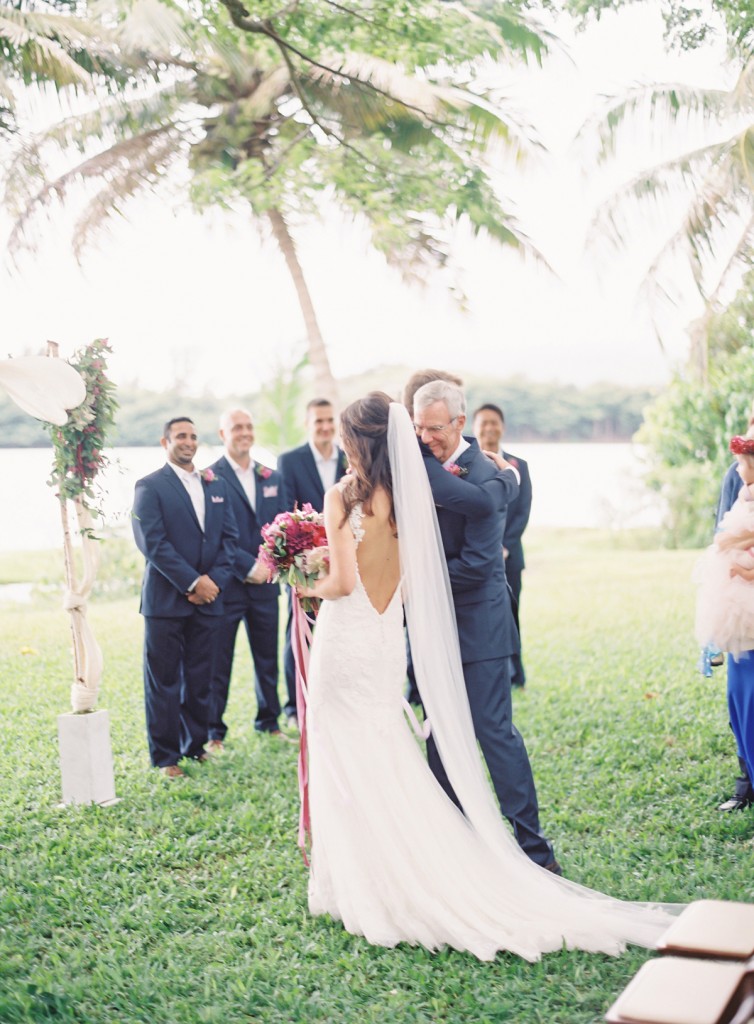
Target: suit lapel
<point>231,477</point>
<point>172,478</point>
<point>467,455</point>
<point>342,465</point>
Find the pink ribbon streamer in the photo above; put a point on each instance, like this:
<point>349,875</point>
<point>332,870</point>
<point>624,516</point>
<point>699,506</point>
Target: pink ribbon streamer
<point>302,642</point>
<point>421,731</point>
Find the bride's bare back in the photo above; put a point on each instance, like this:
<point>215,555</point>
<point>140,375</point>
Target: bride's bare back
<point>377,554</point>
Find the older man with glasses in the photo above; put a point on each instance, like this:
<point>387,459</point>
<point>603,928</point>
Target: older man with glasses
<point>472,540</point>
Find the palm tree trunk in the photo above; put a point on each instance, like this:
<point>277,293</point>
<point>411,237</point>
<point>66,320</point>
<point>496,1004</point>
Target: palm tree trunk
<point>324,382</point>
<point>698,332</point>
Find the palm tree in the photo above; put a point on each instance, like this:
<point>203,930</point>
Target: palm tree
<point>42,42</point>
<point>261,120</point>
<point>715,232</point>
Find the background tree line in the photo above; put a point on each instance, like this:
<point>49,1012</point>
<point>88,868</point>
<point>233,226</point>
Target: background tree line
<point>534,411</point>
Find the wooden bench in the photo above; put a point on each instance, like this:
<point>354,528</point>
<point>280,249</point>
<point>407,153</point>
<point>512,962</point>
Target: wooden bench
<point>708,976</point>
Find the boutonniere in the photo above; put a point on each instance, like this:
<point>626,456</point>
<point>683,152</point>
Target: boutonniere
<point>457,470</point>
<point>208,476</point>
<point>262,471</point>
<point>513,461</point>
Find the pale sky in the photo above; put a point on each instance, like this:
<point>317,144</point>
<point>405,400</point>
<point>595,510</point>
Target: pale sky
<point>206,299</point>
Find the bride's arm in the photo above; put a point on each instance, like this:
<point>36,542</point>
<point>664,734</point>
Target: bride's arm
<point>341,578</point>
<point>467,498</point>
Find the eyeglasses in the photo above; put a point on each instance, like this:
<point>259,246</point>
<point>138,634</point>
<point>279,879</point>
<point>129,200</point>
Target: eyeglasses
<point>434,431</point>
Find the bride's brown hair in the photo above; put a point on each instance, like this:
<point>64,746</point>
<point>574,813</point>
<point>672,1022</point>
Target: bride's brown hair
<point>363,429</point>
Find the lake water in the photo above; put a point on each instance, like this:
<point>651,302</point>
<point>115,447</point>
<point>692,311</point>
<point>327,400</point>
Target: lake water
<point>575,485</point>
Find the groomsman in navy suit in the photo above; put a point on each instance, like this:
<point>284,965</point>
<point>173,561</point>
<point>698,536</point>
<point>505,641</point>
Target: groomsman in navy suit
<point>486,631</point>
<point>308,471</point>
<point>184,526</point>
<point>489,430</point>
<point>256,495</point>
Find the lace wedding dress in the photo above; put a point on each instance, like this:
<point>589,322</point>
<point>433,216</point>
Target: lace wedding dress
<point>392,857</point>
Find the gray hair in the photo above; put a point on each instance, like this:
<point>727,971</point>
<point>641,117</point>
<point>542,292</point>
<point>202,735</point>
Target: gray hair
<point>441,391</point>
<point>225,418</point>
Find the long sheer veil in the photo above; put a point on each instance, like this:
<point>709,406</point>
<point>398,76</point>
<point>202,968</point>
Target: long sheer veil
<point>437,662</point>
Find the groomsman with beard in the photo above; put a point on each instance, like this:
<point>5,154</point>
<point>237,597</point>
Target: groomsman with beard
<point>256,496</point>
<point>489,430</point>
<point>184,526</point>
<point>307,472</point>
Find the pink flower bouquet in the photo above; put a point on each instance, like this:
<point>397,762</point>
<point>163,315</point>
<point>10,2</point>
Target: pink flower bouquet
<point>294,549</point>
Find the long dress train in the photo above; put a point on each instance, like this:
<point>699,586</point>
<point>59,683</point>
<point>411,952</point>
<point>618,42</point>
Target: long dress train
<point>392,857</point>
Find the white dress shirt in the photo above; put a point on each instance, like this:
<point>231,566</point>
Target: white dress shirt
<point>327,468</point>
<point>245,479</point>
<point>463,444</point>
<point>193,484</point>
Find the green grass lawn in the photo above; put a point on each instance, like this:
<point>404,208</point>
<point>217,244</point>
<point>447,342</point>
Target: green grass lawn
<point>186,902</point>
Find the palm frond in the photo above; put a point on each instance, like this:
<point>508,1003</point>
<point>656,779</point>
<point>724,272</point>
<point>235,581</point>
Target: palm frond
<point>149,25</point>
<point>139,170</point>
<point>512,30</point>
<point>132,160</point>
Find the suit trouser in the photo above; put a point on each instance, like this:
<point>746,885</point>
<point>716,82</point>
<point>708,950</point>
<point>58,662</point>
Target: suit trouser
<point>740,693</point>
<point>488,686</point>
<point>289,662</point>
<point>261,622</point>
<point>513,579</point>
<point>178,665</point>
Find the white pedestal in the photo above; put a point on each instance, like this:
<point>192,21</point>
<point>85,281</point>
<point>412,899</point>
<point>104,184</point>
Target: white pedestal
<point>86,759</point>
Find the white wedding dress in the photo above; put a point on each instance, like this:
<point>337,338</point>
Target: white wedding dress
<point>392,857</point>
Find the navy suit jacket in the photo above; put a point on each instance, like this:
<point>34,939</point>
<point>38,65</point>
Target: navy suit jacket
<point>473,545</point>
<point>301,479</point>
<point>732,484</point>
<point>176,550</point>
<point>517,518</point>
<point>269,501</point>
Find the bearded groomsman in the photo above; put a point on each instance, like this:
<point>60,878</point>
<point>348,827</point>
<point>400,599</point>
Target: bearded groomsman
<point>256,495</point>
<point>489,430</point>
<point>308,471</point>
<point>184,526</point>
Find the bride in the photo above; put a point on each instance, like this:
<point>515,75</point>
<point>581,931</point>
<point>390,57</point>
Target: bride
<point>392,856</point>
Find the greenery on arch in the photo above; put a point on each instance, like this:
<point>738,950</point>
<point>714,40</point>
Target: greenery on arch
<point>78,446</point>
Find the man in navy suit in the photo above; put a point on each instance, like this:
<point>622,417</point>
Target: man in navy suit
<point>256,495</point>
<point>489,430</point>
<point>184,526</point>
<point>486,630</point>
<point>307,472</point>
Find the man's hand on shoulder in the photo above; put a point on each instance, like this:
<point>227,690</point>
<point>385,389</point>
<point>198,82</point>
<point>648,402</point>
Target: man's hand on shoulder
<point>502,463</point>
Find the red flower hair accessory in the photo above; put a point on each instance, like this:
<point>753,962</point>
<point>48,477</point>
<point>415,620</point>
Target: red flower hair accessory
<point>742,445</point>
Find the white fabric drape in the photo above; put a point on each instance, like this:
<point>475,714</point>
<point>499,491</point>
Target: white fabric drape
<point>45,388</point>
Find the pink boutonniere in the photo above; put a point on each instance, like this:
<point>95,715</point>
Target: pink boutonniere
<point>208,476</point>
<point>262,471</point>
<point>513,461</point>
<point>456,470</point>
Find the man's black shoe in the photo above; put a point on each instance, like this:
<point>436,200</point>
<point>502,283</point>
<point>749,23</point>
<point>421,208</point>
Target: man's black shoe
<point>735,804</point>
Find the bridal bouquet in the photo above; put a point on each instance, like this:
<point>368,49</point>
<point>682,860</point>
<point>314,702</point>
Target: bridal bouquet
<point>294,549</point>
